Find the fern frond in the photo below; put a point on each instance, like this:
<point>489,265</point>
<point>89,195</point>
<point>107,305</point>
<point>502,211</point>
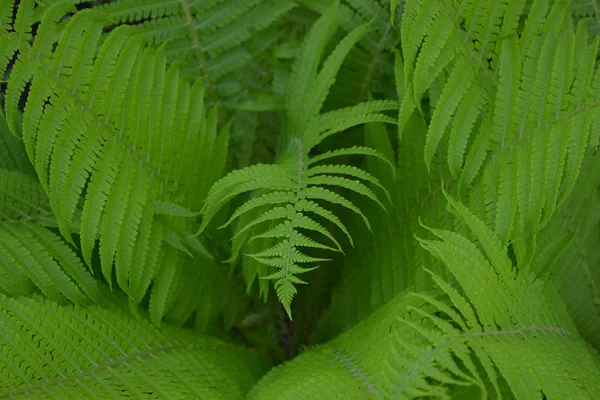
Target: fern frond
<point>459,82</point>
<point>285,190</point>
<point>316,93</point>
<point>462,128</point>
<point>582,84</point>
<point>518,117</point>
<point>114,135</point>
<point>346,183</point>
<point>27,61</point>
<point>348,170</point>
<point>269,198</point>
<point>49,350</point>
<point>357,119</point>
<point>305,69</point>
<point>331,119</point>
<point>354,150</point>
<point>520,308</point>
<point>567,255</point>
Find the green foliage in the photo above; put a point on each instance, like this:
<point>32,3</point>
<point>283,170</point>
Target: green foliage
<point>31,254</point>
<point>164,164</point>
<point>294,180</point>
<point>215,40</point>
<point>108,148</point>
<point>526,101</point>
<point>53,351</point>
<point>433,344</point>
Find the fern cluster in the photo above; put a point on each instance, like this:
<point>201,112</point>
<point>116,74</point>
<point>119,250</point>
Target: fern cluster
<point>418,181</point>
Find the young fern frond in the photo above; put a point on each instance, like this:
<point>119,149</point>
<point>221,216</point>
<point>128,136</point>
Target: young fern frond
<point>114,135</point>
<point>295,190</point>
<point>286,191</point>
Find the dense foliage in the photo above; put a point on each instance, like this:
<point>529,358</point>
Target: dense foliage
<point>299,199</point>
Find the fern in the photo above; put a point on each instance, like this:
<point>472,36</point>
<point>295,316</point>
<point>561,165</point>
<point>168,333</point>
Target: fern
<point>295,181</point>
<point>441,345</point>
<point>114,163</point>
<point>417,198</point>
<point>493,195</point>
<point>370,65</point>
<point>439,156</point>
<point>50,351</point>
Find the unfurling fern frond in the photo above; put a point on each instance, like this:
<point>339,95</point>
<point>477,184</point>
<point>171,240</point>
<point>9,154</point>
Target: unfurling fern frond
<point>118,140</point>
<point>504,333</point>
<point>51,351</point>
<point>31,254</point>
<point>290,193</point>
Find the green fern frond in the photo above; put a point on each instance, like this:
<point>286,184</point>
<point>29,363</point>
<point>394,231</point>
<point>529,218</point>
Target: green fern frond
<point>518,316</point>
<point>49,351</point>
<point>518,117</point>
<point>114,135</point>
<point>331,120</point>
<point>354,150</point>
<point>567,255</point>
<point>17,37</point>
<point>311,101</point>
<point>457,86</point>
<point>347,123</point>
<point>284,191</point>
<point>348,170</point>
